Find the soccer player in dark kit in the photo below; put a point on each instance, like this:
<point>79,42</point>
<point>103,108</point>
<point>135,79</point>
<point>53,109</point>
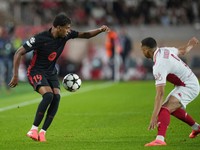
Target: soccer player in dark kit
<point>42,74</point>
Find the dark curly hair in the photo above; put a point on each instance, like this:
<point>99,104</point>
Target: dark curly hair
<point>61,20</point>
<point>149,42</point>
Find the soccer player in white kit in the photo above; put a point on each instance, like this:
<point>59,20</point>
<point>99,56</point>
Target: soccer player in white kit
<point>169,67</point>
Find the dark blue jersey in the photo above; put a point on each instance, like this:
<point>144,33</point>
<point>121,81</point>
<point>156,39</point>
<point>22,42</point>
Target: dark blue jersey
<point>47,50</point>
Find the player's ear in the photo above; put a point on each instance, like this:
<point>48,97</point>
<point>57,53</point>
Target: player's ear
<point>58,27</point>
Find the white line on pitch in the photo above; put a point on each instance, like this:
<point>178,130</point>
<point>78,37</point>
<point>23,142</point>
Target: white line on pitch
<point>63,94</point>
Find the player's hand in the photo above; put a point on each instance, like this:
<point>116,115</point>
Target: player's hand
<point>104,28</point>
<point>193,41</point>
<point>153,124</point>
<point>13,82</point>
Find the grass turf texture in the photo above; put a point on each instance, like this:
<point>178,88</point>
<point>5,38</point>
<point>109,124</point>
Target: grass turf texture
<point>100,116</point>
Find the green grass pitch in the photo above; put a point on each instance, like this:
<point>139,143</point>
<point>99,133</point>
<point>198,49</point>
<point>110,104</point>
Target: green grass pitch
<point>100,116</point>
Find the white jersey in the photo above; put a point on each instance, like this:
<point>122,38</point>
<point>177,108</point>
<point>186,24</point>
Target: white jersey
<point>169,67</point>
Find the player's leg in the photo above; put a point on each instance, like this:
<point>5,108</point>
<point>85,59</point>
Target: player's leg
<point>186,95</point>
<point>51,111</point>
<point>163,120</point>
<point>40,84</point>
<point>53,81</point>
<point>49,117</point>
<point>185,117</point>
<point>47,96</point>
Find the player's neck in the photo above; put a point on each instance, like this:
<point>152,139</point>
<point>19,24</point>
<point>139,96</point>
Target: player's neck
<point>153,52</point>
<point>53,32</point>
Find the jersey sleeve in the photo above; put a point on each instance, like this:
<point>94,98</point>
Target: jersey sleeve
<point>160,74</point>
<point>73,34</point>
<point>32,43</point>
<point>174,50</point>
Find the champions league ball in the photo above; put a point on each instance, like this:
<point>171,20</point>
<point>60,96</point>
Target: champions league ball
<point>71,82</point>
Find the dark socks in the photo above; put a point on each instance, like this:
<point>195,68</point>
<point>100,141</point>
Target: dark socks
<point>47,99</point>
<point>51,111</point>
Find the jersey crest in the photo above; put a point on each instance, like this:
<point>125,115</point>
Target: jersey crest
<point>52,56</point>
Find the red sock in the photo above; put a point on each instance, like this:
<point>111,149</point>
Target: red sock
<point>163,121</point>
<point>182,115</point>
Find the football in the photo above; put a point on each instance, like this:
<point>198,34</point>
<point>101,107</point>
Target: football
<point>71,82</point>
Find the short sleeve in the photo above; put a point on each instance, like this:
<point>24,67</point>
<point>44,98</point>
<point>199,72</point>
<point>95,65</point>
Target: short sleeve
<point>160,74</point>
<point>73,34</point>
<point>174,50</point>
<point>32,43</point>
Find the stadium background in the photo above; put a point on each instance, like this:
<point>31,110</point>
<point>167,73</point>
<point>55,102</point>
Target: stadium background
<point>101,115</point>
<point>171,22</point>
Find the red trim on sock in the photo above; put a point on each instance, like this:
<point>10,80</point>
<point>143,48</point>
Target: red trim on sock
<point>182,115</point>
<point>163,121</point>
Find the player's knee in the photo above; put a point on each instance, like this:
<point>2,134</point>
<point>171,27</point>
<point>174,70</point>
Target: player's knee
<point>172,105</point>
<point>48,96</point>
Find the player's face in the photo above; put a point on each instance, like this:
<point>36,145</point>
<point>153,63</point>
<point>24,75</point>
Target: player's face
<point>64,30</point>
<point>146,51</point>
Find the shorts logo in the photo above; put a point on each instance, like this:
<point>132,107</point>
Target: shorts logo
<point>158,77</point>
<point>52,56</point>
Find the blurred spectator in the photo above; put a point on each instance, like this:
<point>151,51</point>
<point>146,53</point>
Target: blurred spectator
<point>113,50</point>
<point>90,13</point>
<point>98,13</point>
<point>2,67</point>
<point>137,12</point>
<point>126,44</point>
<point>6,56</point>
<point>92,63</point>
<point>136,70</point>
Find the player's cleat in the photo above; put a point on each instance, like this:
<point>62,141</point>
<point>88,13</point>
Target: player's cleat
<point>33,134</point>
<point>194,133</point>
<point>41,137</point>
<point>156,143</point>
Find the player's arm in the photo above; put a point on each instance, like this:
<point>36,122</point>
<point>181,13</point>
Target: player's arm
<point>185,49</point>
<point>157,106</point>
<point>17,58</point>
<point>92,33</point>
